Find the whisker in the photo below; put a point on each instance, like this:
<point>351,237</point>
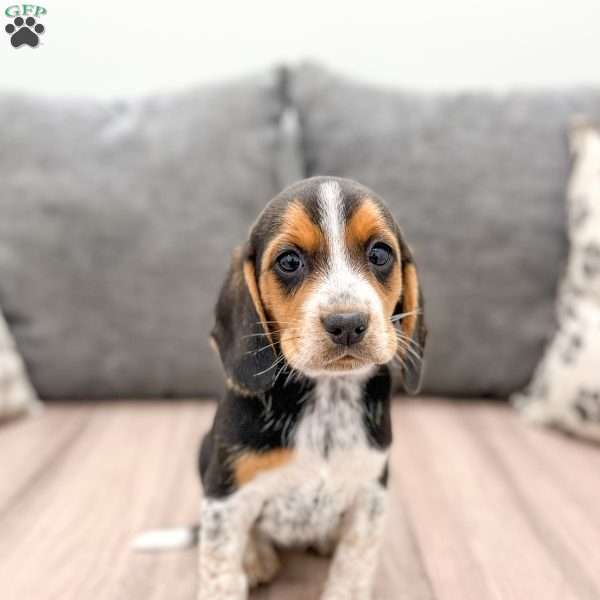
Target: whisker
<point>410,350</point>
<point>410,344</point>
<point>400,316</point>
<point>399,361</point>
<point>274,331</point>
<point>402,336</point>
<point>280,371</point>
<point>261,349</point>
<point>277,361</point>
<point>405,363</point>
<point>282,322</point>
<point>271,345</point>
<point>410,361</point>
<point>262,334</point>
<point>293,374</point>
<point>281,358</point>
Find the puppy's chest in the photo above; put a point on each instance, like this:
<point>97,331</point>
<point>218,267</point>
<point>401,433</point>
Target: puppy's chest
<point>332,459</point>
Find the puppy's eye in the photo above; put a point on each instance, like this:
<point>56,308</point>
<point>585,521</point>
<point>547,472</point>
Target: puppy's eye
<point>380,254</point>
<point>289,262</point>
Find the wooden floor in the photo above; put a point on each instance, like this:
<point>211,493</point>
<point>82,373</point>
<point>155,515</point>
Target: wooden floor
<point>482,507</point>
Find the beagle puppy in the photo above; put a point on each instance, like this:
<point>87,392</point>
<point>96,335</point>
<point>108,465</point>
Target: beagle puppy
<point>318,303</point>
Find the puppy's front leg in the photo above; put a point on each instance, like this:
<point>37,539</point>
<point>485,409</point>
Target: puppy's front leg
<point>355,559</point>
<point>224,528</point>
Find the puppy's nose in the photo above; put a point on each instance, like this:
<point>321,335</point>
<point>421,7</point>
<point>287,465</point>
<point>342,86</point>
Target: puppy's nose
<point>346,328</point>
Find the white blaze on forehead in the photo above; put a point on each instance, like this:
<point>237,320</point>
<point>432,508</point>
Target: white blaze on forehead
<point>330,203</point>
<point>343,282</point>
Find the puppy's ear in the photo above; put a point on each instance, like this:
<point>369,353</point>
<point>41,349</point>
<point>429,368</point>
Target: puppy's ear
<point>412,322</point>
<point>240,332</point>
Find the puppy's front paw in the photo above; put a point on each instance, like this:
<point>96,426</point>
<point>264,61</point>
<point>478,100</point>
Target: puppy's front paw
<point>223,587</point>
<point>324,547</point>
<point>261,562</point>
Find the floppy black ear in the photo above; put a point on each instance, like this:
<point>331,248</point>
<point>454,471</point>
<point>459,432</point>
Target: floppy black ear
<point>240,332</point>
<point>412,324</point>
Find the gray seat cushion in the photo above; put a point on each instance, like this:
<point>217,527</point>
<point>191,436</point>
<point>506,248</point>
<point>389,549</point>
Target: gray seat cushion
<point>477,183</point>
<point>117,222</point>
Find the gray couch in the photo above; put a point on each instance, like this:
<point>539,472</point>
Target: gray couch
<point>117,220</point>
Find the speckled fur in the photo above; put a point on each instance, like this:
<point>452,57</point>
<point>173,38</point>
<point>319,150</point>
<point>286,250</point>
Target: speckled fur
<point>328,494</point>
<point>309,496</point>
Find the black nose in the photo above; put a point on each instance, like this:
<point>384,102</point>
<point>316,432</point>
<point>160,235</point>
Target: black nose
<point>346,328</point>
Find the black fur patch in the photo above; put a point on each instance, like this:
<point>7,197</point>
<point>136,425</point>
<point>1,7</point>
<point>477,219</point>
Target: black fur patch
<point>264,422</point>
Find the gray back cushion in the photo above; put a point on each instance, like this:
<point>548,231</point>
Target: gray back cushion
<point>477,183</point>
<point>117,223</point>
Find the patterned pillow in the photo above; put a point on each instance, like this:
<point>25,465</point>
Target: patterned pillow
<point>565,390</point>
<point>17,395</point>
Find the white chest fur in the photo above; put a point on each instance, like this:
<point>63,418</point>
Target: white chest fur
<point>332,459</point>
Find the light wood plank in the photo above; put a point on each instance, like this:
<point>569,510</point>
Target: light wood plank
<point>31,448</point>
<point>134,468</point>
<point>482,507</point>
<point>562,508</point>
<point>479,543</point>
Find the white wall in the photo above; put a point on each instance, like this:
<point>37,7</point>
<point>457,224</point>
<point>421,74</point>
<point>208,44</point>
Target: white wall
<point>107,48</point>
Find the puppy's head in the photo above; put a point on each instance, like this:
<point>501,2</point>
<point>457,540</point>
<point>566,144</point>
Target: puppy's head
<point>325,285</point>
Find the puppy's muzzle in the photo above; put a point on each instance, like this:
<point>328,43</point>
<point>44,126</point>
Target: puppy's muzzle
<point>346,329</point>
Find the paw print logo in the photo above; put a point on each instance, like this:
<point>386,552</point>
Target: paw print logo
<point>24,31</point>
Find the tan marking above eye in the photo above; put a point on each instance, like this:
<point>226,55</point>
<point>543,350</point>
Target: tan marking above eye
<point>250,464</point>
<point>297,229</point>
<point>366,223</point>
